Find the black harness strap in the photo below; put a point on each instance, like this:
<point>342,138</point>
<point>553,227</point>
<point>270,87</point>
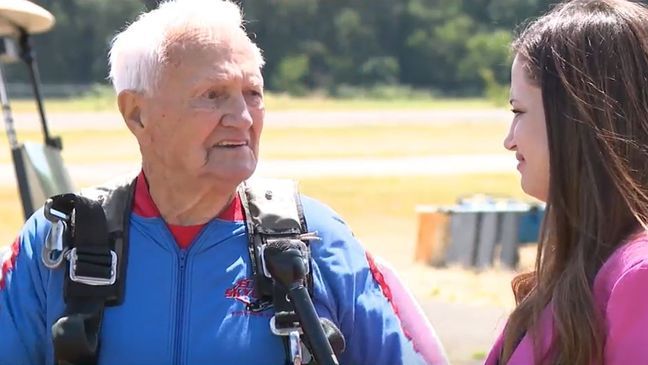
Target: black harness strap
<point>95,270</point>
<point>76,334</point>
<point>274,212</point>
<point>261,226</point>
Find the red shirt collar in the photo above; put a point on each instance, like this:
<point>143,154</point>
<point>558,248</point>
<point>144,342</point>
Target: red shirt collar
<point>145,206</point>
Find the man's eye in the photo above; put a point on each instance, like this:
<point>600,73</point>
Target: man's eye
<point>254,97</point>
<point>255,93</point>
<point>213,94</point>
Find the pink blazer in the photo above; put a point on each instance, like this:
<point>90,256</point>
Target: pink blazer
<point>621,293</point>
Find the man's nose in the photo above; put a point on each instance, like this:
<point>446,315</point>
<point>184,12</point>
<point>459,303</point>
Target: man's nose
<point>237,114</point>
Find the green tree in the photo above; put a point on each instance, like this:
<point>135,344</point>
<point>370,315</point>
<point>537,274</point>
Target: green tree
<point>456,47</point>
<point>76,49</point>
<point>291,74</point>
<point>486,51</point>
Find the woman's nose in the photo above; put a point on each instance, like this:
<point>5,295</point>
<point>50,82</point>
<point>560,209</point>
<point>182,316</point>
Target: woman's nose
<point>509,140</point>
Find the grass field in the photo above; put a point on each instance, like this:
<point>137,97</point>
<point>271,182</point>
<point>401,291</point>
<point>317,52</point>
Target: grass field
<point>299,143</point>
<point>382,211</point>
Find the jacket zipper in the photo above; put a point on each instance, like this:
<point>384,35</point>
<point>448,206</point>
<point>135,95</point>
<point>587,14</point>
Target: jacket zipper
<point>180,308</point>
<point>180,300</point>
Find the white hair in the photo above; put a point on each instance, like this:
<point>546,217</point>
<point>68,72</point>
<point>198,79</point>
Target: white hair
<point>138,52</point>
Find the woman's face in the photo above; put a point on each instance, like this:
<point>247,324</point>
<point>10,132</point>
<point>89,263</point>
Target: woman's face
<point>528,133</point>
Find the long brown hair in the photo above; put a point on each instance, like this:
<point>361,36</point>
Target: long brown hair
<point>590,59</point>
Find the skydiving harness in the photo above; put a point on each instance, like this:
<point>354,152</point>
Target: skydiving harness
<point>89,235</point>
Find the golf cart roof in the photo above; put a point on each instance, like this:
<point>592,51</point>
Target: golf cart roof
<point>15,14</point>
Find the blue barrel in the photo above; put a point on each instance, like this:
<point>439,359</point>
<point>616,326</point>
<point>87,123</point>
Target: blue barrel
<point>529,225</point>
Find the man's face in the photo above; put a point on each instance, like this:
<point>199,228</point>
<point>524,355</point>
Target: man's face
<point>205,117</point>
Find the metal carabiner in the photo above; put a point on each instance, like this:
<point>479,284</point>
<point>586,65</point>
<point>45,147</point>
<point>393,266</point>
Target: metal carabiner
<point>54,215</point>
<point>53,252</point>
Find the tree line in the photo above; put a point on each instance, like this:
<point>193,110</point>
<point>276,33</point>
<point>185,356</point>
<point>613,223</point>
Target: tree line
<point>448,47</point>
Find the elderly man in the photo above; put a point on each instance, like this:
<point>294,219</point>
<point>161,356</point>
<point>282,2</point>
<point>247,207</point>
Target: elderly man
<point>180,284</point>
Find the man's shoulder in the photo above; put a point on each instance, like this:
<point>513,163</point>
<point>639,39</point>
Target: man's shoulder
<point>36,228</point>
<point>338,249</point>
<point>26,247</point>
<point>321,217</point>
<point>98,191</point>
<point>316,207</point>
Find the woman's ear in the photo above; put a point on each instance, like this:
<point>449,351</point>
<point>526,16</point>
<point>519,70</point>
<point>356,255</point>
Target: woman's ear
<point>130,107</point>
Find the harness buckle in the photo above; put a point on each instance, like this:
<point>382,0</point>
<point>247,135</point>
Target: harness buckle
<point>299,354</point>
<point>89,280</point>
<point>283,331</point>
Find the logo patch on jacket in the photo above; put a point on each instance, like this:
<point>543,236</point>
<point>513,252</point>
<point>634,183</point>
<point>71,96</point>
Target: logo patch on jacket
<point>243,291</point>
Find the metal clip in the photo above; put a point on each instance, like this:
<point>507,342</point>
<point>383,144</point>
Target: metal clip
<point>52,214</point>
<point>282,331</point>
<point>266,273</point>
<point>53,252</point>
<point>59,214</point>
<point>309,236</point>
<point>88,280</point>
<point>294,344</point>
<point>294,341</point>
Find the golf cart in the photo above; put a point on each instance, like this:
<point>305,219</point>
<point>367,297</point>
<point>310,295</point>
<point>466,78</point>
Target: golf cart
<point>39,168</point>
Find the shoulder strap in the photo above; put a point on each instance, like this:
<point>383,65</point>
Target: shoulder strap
<point>273,210</point>
<point>95,244</point>
<point>274,215</point>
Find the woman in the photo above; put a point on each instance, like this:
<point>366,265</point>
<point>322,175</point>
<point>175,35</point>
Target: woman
<point>579,92</point>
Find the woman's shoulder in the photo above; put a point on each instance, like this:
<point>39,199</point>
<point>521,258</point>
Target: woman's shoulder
<point>628,258</point>
<point>630,254</point>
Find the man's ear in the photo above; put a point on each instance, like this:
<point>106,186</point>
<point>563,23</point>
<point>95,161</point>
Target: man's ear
<point>130,107</point>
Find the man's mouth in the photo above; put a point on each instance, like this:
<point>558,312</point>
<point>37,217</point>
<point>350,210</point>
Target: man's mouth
<point>230,144</point>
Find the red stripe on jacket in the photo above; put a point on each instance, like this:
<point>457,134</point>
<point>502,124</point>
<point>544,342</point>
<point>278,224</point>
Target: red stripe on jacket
<point>380,279</point>
<point>8,262</point>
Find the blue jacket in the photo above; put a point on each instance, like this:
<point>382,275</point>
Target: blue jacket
<point>189,306</point>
